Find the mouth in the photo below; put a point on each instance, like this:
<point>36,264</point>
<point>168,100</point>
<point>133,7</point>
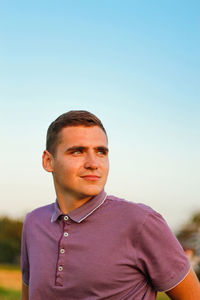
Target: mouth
<point>91,177</point>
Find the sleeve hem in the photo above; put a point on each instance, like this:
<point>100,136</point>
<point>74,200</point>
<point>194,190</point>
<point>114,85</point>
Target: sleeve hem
<point>24,283</point>
<point>179,281</point>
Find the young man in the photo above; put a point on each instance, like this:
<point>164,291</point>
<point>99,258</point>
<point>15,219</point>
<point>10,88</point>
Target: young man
<point>88,245</point>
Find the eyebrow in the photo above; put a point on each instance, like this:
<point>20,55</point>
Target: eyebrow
<point>82,148</point>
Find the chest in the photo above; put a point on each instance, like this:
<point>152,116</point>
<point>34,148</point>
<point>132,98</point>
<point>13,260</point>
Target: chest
<point>72,255</point>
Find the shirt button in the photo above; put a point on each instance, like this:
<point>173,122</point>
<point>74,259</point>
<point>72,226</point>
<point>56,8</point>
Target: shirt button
<point>62,251</point>
<point>66,218</point>
<point>66,234</point>
<point>60,268</point>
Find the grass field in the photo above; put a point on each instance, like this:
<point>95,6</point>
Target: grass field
<point>8,294</point>
<point>10,284</point>
<point>162,296</point>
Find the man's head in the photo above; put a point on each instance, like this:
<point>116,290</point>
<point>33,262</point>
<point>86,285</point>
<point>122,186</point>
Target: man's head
<point>77,155</point>
<point>72,118</point>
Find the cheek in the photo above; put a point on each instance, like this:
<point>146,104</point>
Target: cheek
<point>106,165</point>
<point>105,168</point>
<point>72,167</point>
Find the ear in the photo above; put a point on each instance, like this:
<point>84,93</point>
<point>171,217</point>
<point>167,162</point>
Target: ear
<point>47,161</point>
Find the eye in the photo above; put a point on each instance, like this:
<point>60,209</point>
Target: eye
<point>77,152</point>
<point>101,152</point>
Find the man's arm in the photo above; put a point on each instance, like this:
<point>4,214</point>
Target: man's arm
<point>24,292</point>
<point>188,289</point>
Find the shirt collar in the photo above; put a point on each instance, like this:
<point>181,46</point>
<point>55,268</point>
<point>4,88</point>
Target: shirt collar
<point>82,212</point>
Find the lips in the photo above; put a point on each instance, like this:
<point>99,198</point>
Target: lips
<point>91,177</point>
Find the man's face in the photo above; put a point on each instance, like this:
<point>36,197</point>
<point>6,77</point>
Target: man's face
<point>80,165</point>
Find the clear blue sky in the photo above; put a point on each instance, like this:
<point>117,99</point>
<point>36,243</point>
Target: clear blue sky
<point>133,63</point>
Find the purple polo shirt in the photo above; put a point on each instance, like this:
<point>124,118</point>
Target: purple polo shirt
<point>108,248</point>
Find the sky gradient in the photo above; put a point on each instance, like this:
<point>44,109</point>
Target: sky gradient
<point>133,63</point>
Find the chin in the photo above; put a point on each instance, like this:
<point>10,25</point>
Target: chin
<point>93,191</point>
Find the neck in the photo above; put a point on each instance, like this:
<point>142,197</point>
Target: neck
<point>67,203</point>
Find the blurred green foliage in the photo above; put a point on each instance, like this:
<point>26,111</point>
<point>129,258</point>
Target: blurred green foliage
<point>6,294</point>
<point>10,240</point>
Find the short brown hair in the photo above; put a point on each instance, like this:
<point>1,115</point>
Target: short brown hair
<point>71,118</point>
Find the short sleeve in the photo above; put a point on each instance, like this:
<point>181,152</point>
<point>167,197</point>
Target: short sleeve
<point>24,256</point>
<point>159,255</point>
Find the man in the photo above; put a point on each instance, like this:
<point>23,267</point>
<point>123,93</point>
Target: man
<point>88,245</point>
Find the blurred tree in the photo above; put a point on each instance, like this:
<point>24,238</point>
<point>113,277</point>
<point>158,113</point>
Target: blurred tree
<point>189,237</point>
<point>10,240</point>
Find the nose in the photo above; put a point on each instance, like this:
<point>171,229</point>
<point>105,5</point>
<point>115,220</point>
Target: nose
<point>91,161</point>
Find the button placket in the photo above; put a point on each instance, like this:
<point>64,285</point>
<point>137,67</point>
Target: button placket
<point>62,254</point>
<point>66,218</point>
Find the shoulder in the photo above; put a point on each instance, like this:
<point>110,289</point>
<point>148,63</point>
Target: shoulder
<point>135,215</point>
<point>41,213</point>
<point>129,208</point>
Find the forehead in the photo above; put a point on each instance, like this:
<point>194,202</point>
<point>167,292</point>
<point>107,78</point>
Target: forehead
<point>82,135</point>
